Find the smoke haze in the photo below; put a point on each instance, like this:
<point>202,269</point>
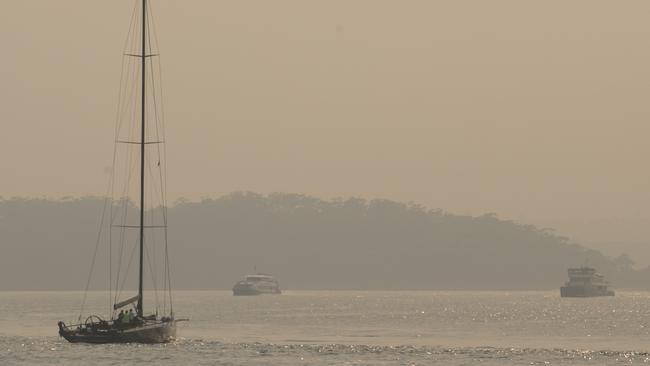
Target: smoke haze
<point>534,110</point>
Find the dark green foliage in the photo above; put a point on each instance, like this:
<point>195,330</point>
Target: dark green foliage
<point>306,242</point>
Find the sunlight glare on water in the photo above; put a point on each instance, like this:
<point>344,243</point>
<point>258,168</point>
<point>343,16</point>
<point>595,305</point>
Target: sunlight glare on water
<point>347,327</point>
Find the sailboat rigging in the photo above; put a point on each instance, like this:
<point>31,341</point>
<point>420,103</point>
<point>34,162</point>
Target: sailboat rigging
<point>128,326</point>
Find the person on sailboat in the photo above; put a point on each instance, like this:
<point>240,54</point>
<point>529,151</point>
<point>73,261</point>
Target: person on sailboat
<point>126,319</point>
<point>120,317</point>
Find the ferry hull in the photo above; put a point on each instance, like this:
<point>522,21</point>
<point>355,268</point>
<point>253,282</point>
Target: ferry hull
<point>566,291</point>
<point>253,291</point>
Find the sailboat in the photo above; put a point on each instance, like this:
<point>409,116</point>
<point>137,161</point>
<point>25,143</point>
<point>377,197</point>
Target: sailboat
<point>136,100</point>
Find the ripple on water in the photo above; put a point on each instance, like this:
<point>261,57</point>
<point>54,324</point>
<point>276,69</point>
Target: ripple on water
<point>52,351</point>
<point>358,328</point>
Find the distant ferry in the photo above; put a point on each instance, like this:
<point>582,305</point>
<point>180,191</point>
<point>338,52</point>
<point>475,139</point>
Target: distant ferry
<point>257,284</point>
<point>585,282</point>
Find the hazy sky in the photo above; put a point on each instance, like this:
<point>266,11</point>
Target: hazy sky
<point>535,110</point>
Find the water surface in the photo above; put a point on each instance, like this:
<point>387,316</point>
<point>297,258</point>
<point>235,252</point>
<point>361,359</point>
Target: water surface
<point>347,327</point>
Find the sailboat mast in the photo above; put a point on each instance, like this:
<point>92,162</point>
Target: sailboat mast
<point>142,151</point>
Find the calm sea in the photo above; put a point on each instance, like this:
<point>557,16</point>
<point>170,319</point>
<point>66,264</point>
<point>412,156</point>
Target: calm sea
<point>348,328</point>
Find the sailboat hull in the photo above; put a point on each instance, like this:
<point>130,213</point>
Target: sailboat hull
<point>149,332</point>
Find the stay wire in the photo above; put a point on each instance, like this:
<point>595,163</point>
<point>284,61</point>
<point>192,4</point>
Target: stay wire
<point>107,197</point>
<point>118,126</point>
<point>163,177</point>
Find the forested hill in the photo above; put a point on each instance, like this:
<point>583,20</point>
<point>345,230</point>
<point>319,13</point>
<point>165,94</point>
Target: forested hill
<point>306,242</point>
